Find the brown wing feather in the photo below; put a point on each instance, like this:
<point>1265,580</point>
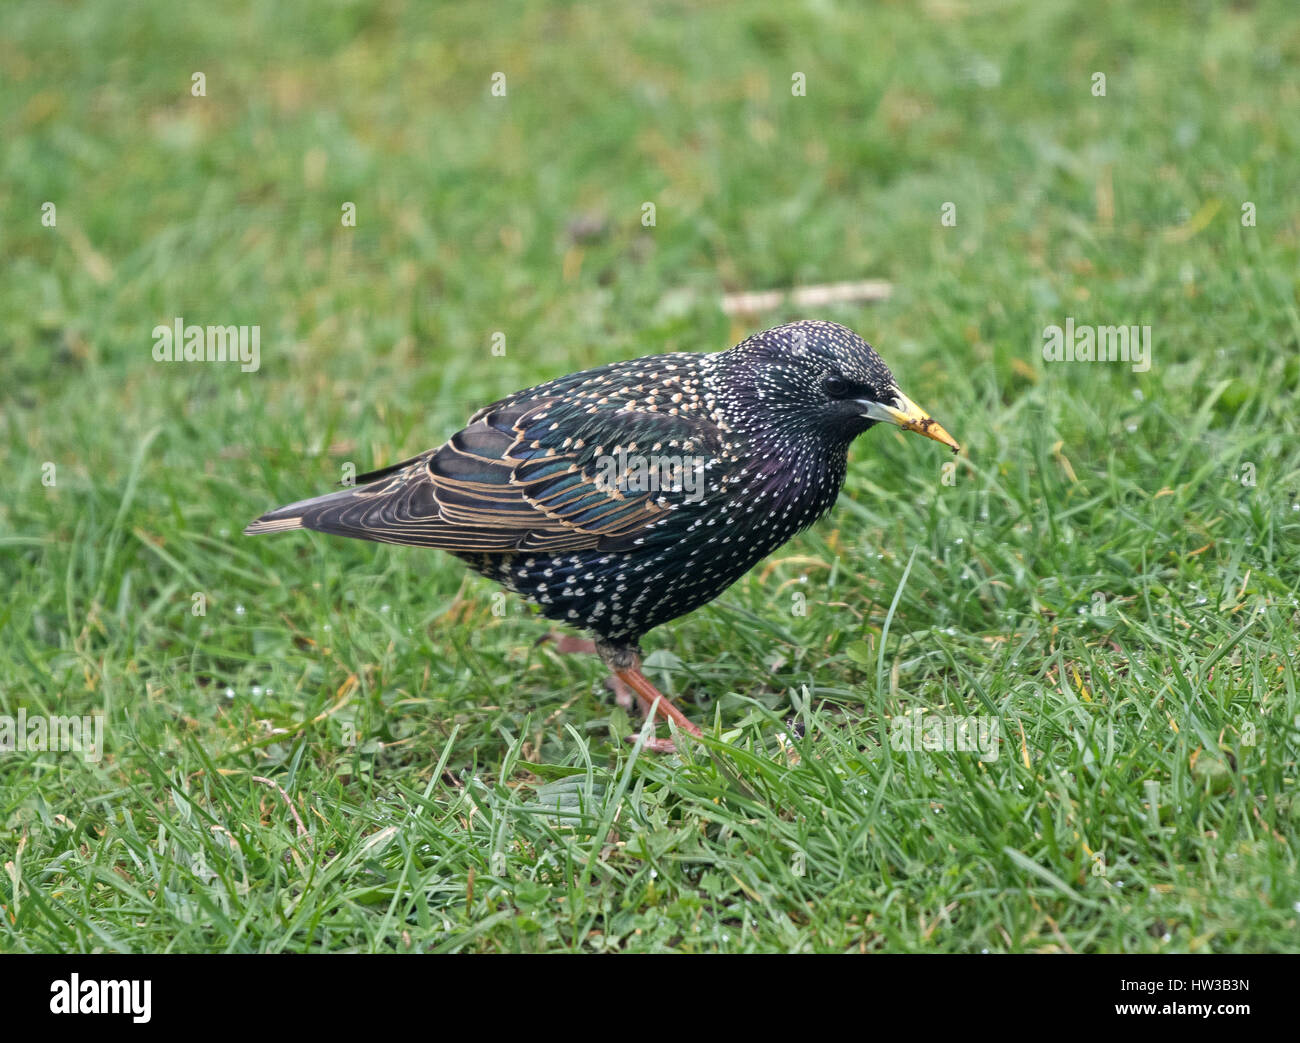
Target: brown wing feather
<point>505,483</point>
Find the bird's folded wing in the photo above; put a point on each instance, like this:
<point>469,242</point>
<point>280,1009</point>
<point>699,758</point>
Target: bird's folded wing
<point>526,476</point>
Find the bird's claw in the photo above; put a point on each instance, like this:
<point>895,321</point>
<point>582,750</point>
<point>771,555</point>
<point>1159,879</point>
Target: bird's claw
<point>653,744</point>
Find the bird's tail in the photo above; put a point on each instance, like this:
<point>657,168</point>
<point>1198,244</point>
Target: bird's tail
<point>328,513</point>
<point>298,515</point>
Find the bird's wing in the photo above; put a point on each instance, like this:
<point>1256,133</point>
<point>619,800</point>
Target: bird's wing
<point>522,476</point>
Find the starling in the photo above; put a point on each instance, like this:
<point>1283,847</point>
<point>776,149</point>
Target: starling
<point>624,496</point>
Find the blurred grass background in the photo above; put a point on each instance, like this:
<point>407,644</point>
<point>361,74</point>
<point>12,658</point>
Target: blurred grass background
<point>1144,796</point>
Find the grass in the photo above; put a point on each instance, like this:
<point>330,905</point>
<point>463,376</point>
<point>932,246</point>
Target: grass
<point>350,750</point>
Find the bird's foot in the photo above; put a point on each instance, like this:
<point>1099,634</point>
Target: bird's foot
<point>628,684</point>
<point>653,744</point>
<point>655,702</point>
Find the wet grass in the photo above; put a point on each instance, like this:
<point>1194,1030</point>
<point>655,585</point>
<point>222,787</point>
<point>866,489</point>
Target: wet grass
<point>318,744</point>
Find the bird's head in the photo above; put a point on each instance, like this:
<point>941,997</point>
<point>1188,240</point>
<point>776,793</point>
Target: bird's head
<point>822,379</point>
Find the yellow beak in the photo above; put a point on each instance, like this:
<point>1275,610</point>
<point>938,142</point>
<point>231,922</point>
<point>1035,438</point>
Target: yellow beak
<point>910,417</point>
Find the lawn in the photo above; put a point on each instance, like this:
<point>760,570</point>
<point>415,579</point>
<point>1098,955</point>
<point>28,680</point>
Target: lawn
<point>319,744</point>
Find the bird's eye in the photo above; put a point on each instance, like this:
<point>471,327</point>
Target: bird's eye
<point>837,387</point>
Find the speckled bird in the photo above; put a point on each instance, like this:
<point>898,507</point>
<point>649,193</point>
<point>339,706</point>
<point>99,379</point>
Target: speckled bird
<point>624,496</point>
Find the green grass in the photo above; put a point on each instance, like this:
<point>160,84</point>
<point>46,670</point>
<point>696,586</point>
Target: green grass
<point>1097,577</point>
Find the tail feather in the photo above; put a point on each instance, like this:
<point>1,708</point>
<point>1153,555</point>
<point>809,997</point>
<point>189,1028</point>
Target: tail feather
<point>300,515</point>
<point>267,523</point>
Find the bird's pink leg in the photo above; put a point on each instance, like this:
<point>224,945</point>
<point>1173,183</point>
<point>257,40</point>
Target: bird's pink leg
<point>630,682</point>
<point>653,701</point>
